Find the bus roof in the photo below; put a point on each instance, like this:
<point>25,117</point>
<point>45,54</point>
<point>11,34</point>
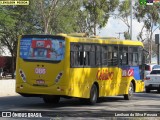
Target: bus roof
<point>81,38</point>
<point>103,40</point>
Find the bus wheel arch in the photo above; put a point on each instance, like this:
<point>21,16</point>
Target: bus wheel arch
<point>131,90</point>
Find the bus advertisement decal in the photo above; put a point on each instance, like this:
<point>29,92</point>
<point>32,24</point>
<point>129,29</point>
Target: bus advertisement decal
<point>104,75</point>
<point>127,72</point>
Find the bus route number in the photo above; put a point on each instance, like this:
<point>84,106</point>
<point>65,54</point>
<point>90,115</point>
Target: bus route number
<point>40,70</point>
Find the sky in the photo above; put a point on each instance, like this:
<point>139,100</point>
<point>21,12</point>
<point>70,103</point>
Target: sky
<point>116,25</point>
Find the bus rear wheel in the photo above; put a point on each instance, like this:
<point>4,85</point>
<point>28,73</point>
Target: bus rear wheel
<point>51,99</point>
<point>129,96</point>
<point>93,95</point>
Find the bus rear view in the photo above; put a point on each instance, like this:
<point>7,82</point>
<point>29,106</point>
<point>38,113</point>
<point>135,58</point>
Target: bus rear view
<point>40,66</point>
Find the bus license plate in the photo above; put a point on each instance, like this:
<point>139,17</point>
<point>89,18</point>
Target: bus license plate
<point>40,82</point>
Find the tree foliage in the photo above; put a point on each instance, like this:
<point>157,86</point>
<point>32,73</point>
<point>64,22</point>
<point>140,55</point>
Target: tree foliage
<point>124,13</point>
<point>15,21</point>
<point>150,16</point>
<point>98,12</point>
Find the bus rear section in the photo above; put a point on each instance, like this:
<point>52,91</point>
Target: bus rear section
<point>40,67</point>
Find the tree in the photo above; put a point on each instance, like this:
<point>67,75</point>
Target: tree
<point>47,9</point>
<point>15,21</point>
<point>124,13</point>
<point>66,18</point>
<point>98,12</point>
<point>57,13</point>
<point>150,16</point>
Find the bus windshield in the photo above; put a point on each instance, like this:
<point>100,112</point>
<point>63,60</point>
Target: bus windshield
<point>42,49</point>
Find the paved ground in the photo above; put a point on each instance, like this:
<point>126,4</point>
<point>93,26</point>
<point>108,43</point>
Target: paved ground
<point>72,109</point>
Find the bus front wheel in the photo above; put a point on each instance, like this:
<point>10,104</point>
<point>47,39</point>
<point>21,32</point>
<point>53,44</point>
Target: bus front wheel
<point>51,99</point>
<point>129,96</point>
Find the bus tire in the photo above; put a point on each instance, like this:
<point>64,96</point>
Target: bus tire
<point>129,96</point>
<point>51,99</point>
<point>93,95</point>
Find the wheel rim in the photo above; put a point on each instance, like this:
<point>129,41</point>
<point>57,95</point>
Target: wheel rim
<point>130,91</point>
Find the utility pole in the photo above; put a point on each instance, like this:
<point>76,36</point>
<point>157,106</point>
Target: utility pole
<point>157,41</point>
<point>120,34</point>
<point>131,21</point>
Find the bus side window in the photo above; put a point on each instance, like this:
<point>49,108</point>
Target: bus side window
<point>113,55</point>
<point>76,55</point>
<point>92,56</point>
<point>130,57</point>
<point>80,58</point>
<point>86,56</point>
<point>140,50</point>
<point>109,55</point>
<point>133,56</point>
<point>72,62</point>
<point>98,55</point>
<point>125,56</point>
<point>104,55</point>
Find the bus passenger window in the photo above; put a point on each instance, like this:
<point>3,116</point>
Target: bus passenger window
<point>80,59</point>
<point>98,55</point>
<point>140,55</point>
<point>104,55</point>
<point>72,62</point>
<point>109,55</point>
<point>112,55</point>
<point>125,59</point>
<point>76,55</point>
<point>92,56</point>
<point>86,56</point>
<point>130,58</point>
<point>135,59</point>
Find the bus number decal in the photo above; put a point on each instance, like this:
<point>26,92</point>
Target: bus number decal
<point>40,70</point>
<point>104,75</point>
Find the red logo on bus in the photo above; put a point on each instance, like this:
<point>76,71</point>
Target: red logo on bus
<point>128,73</point>
<point>104,75</point>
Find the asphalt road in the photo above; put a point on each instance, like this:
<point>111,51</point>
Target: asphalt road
<point>109,106</point>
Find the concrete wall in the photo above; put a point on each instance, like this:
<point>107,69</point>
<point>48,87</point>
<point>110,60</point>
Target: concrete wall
<point>7,88</point>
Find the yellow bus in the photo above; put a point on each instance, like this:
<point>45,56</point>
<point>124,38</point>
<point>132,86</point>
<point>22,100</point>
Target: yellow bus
<point>54,66</point>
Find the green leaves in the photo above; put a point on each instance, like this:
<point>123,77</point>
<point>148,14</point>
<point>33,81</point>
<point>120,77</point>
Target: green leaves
<point>98,12</point>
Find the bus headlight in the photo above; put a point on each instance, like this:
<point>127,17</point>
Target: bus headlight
<point>58,77</point>
<point>23,76</point>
